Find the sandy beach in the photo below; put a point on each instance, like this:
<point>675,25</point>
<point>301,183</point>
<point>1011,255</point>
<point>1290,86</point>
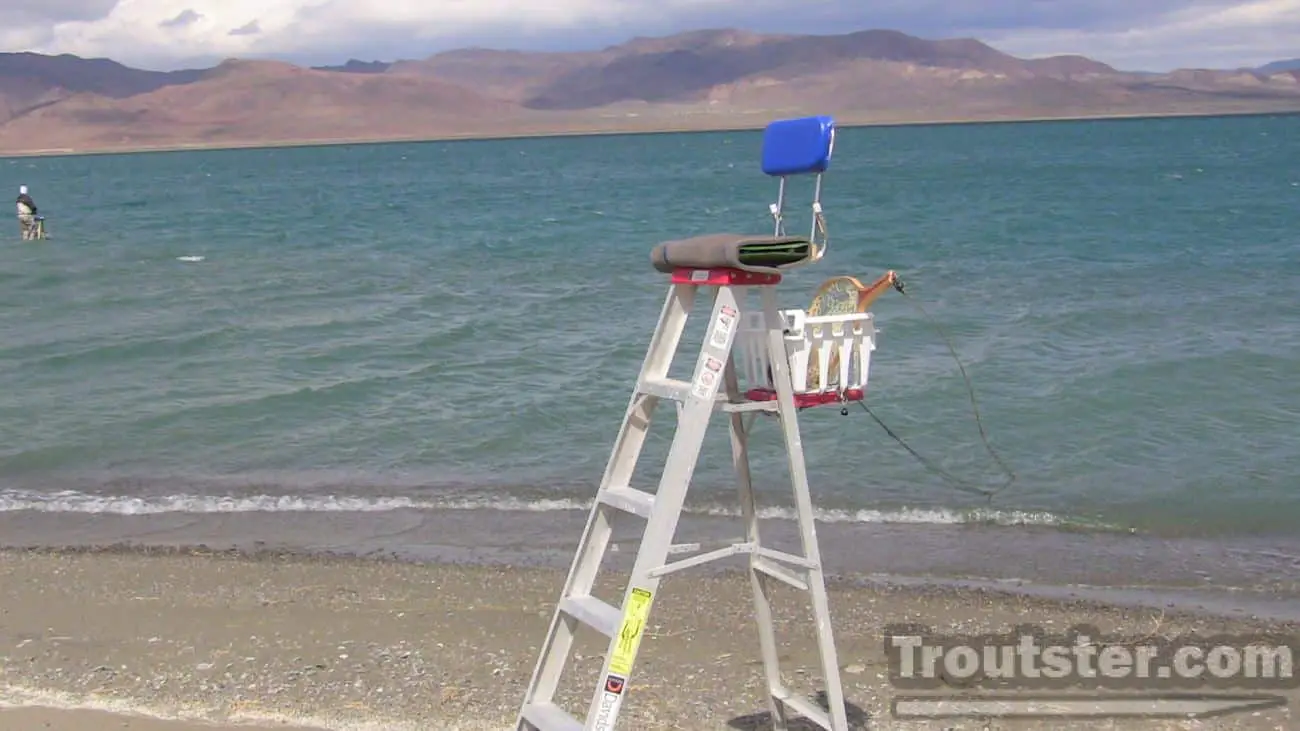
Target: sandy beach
<point>299,642</point>
<point>56,719</point>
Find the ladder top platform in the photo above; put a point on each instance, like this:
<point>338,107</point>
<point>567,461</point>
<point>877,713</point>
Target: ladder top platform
<point>809,400</point>
<point>723,277</point>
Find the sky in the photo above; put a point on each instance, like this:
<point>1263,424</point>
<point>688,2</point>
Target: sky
<point>1137,35</point>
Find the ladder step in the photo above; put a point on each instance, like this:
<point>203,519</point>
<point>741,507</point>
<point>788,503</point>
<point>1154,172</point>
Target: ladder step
<point>550,717</point>
<point>804,707</point>
<point>672,389</point>
<point>745,407</point>
<point>779,572</point>
<point>628,499</point>
<point>599,615</point>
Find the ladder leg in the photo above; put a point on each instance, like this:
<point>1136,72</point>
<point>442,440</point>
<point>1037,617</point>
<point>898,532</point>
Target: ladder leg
<point>618,471</point>
<point>758,581</point>
<point>683,456</point>
<point>804,510</point>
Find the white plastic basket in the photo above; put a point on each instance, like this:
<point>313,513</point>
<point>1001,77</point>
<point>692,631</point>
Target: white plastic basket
<point>838,348</point>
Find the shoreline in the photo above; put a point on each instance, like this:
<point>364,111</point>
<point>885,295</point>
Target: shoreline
<point>314,642</point>
<point>1102,598</point>
<point>631,130</point>
<point>1246,575</point>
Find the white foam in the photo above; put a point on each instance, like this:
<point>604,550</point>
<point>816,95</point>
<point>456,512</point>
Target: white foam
<point>69,501</point>
<point>192,257</point>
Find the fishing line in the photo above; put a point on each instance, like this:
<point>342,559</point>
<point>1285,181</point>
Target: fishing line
<point>958,483</point>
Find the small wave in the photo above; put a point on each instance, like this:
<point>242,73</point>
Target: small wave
<point>190,258</point>
<point>69,501</point>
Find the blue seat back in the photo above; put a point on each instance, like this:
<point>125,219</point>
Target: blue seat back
<point>798,146</point>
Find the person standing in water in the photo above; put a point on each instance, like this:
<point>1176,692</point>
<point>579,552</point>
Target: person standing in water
<point>26,214</point>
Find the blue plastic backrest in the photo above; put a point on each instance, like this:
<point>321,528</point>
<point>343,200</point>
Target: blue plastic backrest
<point>798,146</point>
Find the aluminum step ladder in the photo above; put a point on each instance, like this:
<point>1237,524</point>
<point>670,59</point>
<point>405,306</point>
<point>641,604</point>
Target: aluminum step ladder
<point>713,387</point>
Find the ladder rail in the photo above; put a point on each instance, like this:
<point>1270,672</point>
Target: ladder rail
<point>594,542</point>
<point>656,541</point>
<point>804,512</point>
<point>762,600</point>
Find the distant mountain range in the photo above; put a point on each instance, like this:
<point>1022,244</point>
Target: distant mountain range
<point>1273,68</point>
<point>698,80</point>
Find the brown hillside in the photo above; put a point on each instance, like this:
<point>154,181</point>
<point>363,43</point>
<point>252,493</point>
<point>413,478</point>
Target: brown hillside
<point>689,72</point>
<point>685,68</point>
<point>31,80</point>
<point>897,91</point>
<point>246,101</point>
<point>701,79</point>
<point>508,75</point>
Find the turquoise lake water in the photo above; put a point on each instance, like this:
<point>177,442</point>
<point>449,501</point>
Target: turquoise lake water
<point>363,332</point>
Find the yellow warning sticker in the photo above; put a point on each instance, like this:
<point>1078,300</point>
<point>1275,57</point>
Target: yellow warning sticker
<point>629,635</point>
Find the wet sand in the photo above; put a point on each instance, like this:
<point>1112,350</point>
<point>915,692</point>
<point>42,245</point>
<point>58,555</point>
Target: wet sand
<point>1248,575</point>
<point>296,642</point>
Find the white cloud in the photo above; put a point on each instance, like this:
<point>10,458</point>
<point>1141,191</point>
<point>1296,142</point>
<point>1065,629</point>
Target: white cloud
<point>1154,34</point>
<point>151,32</point>
<point>1222,36</point>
